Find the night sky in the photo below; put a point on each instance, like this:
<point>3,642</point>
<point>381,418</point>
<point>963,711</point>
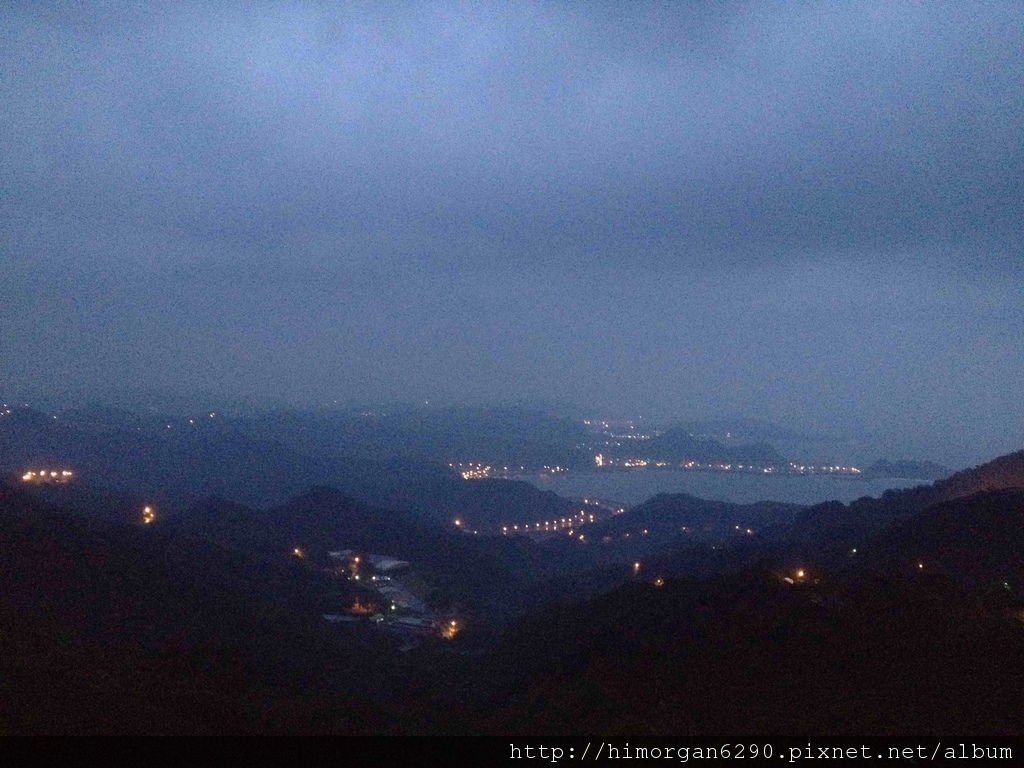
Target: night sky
<point>808,213</point>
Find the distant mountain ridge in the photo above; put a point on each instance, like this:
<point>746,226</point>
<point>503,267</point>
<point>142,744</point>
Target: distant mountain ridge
<point>184,461</point>
<point>1002,472</point>
<point>840,536</point>
<point>830,534</point>
<point>750,430</point>
<point>678,444</point>
<point>905,468</point>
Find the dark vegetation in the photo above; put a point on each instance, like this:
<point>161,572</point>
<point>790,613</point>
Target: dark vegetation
<point>901,614</point>
<point>109,628</point>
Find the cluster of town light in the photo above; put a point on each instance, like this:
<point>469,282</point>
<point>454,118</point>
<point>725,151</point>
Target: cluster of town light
<point>48,476</point>
<point>637,462</point>
<point>478,471</point>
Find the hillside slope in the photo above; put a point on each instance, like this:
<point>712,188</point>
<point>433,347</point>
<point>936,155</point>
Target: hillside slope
<point>114,629</point>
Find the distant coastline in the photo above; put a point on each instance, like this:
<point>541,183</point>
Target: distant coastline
<point>635,485</point>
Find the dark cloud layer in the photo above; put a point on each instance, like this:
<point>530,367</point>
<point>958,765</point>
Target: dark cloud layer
<point>807,212</point>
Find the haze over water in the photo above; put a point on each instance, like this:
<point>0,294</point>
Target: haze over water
<point>635,486</point>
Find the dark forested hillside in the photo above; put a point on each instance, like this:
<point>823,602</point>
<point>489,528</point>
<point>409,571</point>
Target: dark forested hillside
<point>490,573</point>
<point>894,615</point>
<point>114,629</point>
<point>752,655</point>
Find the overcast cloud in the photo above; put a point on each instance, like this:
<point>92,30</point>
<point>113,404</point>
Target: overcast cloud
<point>812,213</point>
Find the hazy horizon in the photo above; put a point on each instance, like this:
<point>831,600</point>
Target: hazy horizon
<point>812,215</point>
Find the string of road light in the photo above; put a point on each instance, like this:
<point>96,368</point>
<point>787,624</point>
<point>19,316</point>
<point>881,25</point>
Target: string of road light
<point>549,526</point>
